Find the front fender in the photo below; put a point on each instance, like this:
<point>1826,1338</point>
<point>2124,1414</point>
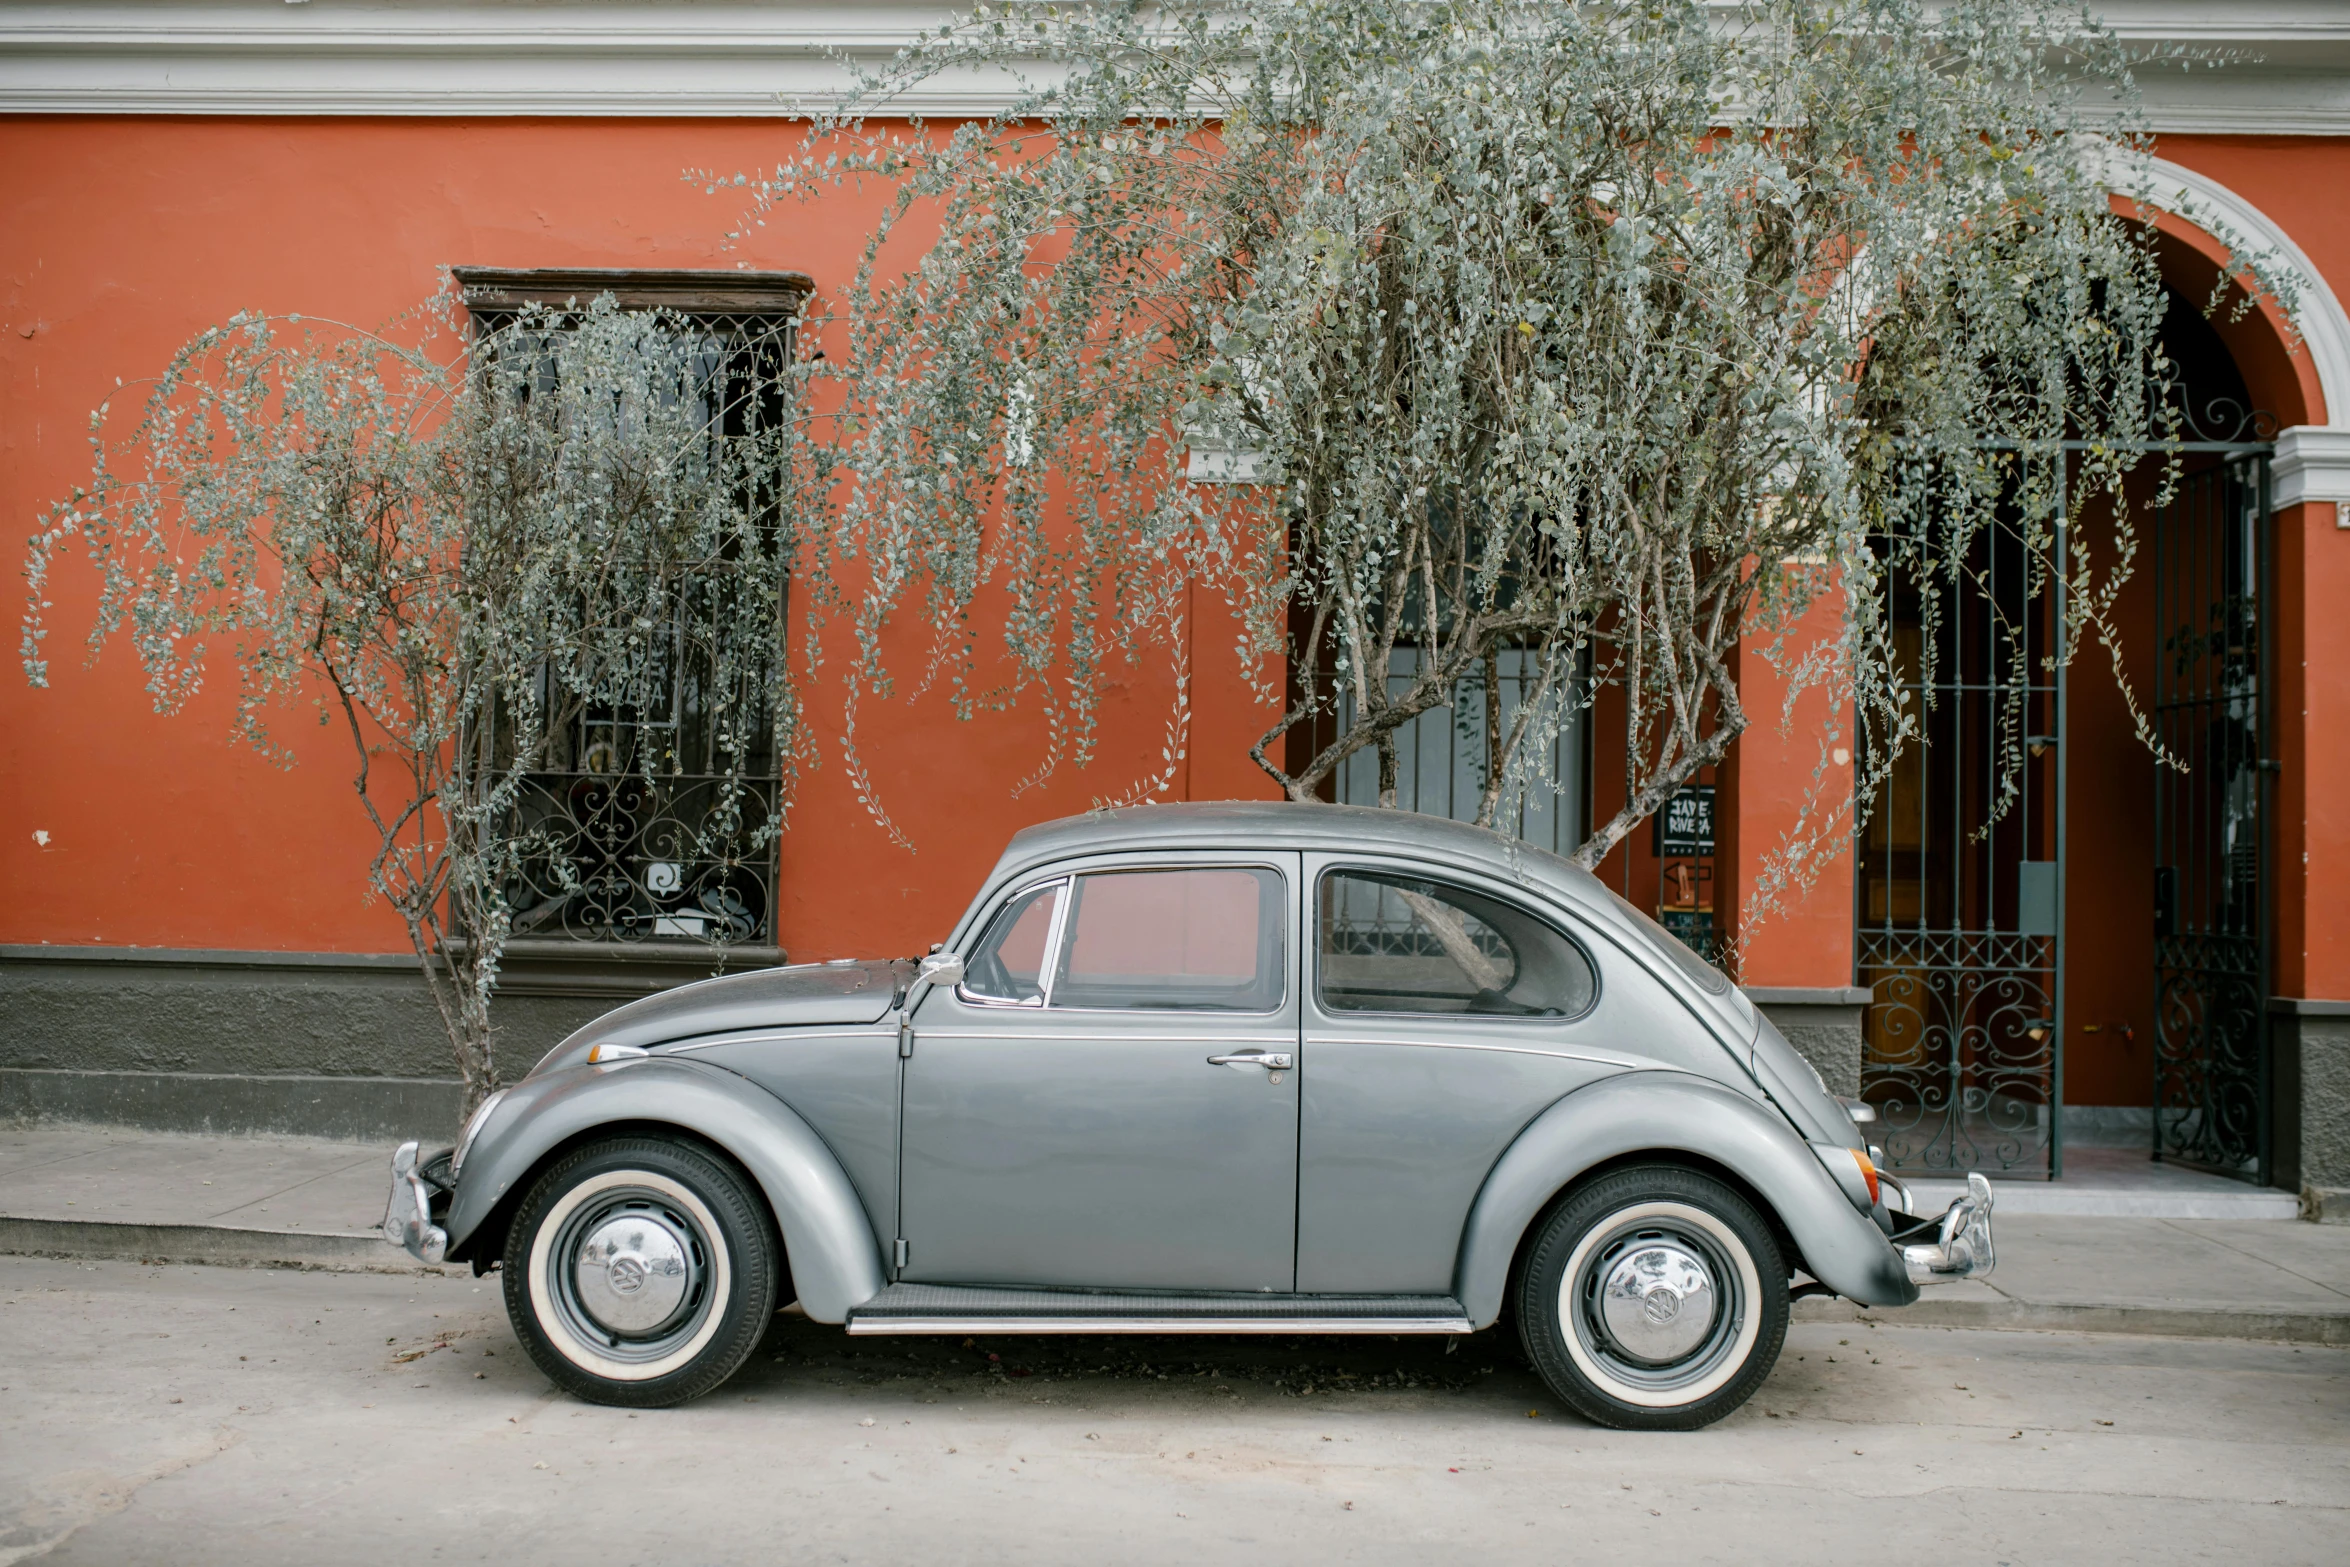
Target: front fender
<point>1674,1112</point>
<point>835,1258</point>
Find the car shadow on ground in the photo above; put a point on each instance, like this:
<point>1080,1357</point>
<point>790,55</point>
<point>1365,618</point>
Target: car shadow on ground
<point>798,1353</point>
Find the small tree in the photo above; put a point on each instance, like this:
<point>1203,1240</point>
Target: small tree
<point>456,549</point>
<point>1599,336</point>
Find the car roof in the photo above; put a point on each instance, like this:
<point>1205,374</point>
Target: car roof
<point>1283,824</point>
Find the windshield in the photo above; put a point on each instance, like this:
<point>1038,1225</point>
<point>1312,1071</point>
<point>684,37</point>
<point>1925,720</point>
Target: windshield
<point>1708,978</point>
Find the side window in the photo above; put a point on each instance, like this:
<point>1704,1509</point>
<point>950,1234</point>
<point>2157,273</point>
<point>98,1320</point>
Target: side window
<point>1008,964</point>
<point>1210,939</point>
<point>1399,944</point>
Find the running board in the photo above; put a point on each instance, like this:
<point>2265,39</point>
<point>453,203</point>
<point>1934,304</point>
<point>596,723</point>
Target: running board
<point>946,1308</point>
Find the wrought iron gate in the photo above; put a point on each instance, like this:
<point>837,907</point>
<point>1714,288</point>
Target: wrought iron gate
<point>1960,917</point>
<point>2212,563</point>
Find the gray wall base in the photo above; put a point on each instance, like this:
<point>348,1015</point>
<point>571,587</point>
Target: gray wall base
<point>1824,1026</point>
<point>305,1044</point>
<point>2320,1050</point>
<point>368,1109</point>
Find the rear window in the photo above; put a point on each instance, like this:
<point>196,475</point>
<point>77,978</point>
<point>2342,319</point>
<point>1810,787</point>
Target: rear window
<point>1400,944</point>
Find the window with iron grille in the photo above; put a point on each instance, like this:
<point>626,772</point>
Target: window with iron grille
<point>639,838</point>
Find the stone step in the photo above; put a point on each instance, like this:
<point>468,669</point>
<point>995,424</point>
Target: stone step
<point>2107,1202</point>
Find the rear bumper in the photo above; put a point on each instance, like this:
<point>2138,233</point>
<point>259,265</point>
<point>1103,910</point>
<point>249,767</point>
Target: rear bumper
<point>1956,1244</point>
<point>416,1205</point>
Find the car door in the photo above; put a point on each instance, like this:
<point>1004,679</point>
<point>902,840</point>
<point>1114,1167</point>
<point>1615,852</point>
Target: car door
<point>1109,1100</point>
<point>1441,1015</point>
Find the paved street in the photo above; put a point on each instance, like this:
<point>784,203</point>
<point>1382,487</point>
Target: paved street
<point>191,1415</point>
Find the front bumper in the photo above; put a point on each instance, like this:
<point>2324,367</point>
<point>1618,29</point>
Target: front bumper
<point>417,1202</point>
<point>1955,1245</point>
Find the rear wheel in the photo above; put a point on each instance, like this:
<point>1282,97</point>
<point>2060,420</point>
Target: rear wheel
<point>1653,1299</point>
<point>641,1271</point>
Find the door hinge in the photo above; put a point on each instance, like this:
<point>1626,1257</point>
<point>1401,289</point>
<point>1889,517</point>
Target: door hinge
<point>905,1038</point>
<point>901,1251</point>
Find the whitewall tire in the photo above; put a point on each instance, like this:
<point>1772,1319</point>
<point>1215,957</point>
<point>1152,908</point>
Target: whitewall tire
<point>1653,1298</point>
<point>641,1271</point>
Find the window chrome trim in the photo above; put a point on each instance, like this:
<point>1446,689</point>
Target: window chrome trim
<point>1067,880</point>
<point>1280,1003</point>
<point>1281,1041</point>
<point>1598,977</point>
<point>1052,938</point>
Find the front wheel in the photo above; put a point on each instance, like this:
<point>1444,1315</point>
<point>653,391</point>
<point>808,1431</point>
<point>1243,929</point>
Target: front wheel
<point>641,1271</point>
<point>1654,1299</point>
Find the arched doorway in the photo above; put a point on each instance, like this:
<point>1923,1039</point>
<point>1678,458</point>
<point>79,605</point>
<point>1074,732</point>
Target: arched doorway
<point>2049,920</point>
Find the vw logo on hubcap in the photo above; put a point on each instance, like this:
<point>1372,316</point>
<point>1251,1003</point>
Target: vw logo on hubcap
<point>1658,1299</point>
<point>633,1271</point>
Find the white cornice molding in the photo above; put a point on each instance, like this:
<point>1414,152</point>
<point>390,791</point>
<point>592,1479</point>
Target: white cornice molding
<point>776,57</point>
<point>521,57</point>
<point>2312,463</point>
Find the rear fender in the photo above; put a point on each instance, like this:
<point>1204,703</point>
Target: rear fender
<point>1668,1113</point>
<point>835,1257</point>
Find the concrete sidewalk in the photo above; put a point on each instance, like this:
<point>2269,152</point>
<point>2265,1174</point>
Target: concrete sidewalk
<point>77,1190</point>
<point>103,1191</point>
<point>2107,1182</point>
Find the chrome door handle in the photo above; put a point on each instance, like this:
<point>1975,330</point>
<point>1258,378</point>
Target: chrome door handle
<point>1277,1060</point>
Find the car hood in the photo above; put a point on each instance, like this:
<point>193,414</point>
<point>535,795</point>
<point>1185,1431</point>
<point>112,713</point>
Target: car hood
<point>806,993</point>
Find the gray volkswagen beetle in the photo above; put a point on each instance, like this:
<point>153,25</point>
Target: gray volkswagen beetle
<point>1198,1069</point>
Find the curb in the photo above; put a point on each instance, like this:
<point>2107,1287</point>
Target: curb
<point>216,1244</point>
<point>2326,1328</point>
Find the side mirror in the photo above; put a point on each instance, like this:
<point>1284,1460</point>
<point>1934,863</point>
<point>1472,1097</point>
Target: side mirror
<point>940,968</point>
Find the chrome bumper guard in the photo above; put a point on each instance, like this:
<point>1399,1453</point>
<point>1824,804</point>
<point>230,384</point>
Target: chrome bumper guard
<point>1961,1248</point>
<point>408,1216</point>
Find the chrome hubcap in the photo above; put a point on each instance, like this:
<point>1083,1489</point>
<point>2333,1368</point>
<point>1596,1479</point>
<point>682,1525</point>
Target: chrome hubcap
<point>633,1271</point>
<point>630,1272</point>
<point>1657,1301</point>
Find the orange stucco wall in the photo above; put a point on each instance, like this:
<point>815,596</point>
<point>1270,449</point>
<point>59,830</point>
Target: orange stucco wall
<point>124,236</point>
<point>1803,938</point>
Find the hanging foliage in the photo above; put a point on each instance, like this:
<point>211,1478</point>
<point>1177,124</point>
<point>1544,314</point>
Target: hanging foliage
<point>1593,336</point>
<point>459,549</point>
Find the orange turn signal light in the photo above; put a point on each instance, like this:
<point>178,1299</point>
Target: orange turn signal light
<point>1868,1173</point>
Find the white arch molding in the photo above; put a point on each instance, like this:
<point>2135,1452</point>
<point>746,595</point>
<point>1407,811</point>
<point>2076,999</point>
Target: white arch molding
<point>2312,460</point>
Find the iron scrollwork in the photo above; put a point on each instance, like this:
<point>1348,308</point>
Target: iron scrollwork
<point>620,857</point>
<point>2208,1046</point>
<point>645,823</point>
<point>2211,1074</point>
<point>1957,1077</point>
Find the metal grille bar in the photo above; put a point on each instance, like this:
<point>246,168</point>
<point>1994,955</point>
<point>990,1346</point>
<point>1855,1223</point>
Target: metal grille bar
<point>2211,713</point>
<point>635,835</point>
<point>1960,901</point>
